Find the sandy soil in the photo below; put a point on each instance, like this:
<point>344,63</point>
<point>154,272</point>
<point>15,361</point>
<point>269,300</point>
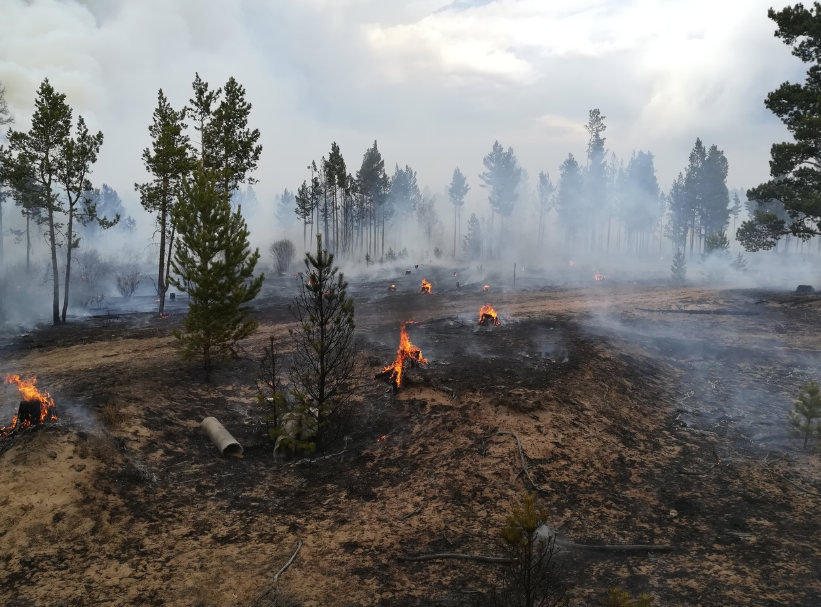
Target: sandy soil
<point>641,427</point>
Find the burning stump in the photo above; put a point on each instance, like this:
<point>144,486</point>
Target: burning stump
<point>392,288</point>
<point>488,316</point>
<point>36,409</point>
<point>426,287</point>
<point>407,353</point>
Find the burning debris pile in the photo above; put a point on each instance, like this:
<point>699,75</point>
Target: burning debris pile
<point>598,276</point>
<point>35,409</point>
<point>488,316</point>
<point>486,288</point>
<point>426,286</point>
<point>407,352</point>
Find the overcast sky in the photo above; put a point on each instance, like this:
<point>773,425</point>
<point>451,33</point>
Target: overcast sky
<point>434,83</point>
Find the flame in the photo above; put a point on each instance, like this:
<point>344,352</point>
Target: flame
<point>426,287</point>
<point>407,351</point>
<point>486,288</point>
<point>487,315</point>
<point>30,392</point>
<point>571,262</point>
<point>454,273</point>
<point>382,438</point>
<point>598,276</point>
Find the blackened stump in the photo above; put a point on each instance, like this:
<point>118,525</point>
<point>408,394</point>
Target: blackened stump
<point>28,414</point>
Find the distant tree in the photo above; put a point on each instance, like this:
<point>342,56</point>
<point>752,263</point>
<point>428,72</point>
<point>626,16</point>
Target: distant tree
<point>473,239</point>
<point>679,217</point>
<point>544,202</point>
<point>368,259</point>
<point>285,205</point>
<point>803,417</point>
<point>532,579</point>
<point>735,210</point>
<point>739,264</point>
<point>129,225</point>
<point>640,203</point>
<point>246,198</point>
<point>282,252</point>
<point>34,158</point>
<point>128,279</point>
<point>75,161</point>
<point>390,255</point>
<point>6,118</point>
<point>322,370</point>
<point>715,212</point>
<point>427,216</point>
<point>501,179</point>
<point>107,203</point>
<point>304,207</point>
<point>168,161</point>
<point>437,253</point>
<point>595,175</point>
<point>27,194</point>
<point>374,186</point>
<point>678,271</point>
<point>214,264</point>
<point>569,197</point>
<point>795,167</point>
<point>457,190</point>
<point>717,244</point>
<point>404,195</point>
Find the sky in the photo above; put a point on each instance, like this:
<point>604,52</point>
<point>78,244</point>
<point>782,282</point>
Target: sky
<point>436,83</point>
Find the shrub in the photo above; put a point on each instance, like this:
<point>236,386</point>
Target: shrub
<point>282,252</point>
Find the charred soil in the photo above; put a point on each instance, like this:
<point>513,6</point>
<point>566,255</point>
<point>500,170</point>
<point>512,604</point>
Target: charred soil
<point>639,427</point>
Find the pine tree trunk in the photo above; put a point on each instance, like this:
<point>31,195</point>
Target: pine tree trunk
<point>28,240</point>
<point>1,227</point>
<point>161,265</point>
<point>55,273</point>
<point>69,247</point>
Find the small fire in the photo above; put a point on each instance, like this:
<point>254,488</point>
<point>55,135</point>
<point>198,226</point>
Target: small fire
<point>30,393</point>
<point>407,352</point>
<point>487,315</point>
<point>598,276</point>
<point>571,263</point>
<point>426,287</point>
<point>164,315</point>
<point>392,288</point>
<point>486,288</point>
<point>454,273</point>
<point>381,438</point>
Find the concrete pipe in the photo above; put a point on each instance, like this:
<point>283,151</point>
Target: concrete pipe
<point>222,439</point>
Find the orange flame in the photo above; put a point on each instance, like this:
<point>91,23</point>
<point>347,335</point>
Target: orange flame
<point>406,352</point>
<point>30,393</point>
<point>571,262</point>
<point>487,315</point>
<point>426,287</point>
<point>486,288</point>
<point>598,276</point>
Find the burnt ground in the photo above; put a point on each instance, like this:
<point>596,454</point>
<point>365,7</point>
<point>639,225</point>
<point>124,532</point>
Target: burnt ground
<point>624,416</point>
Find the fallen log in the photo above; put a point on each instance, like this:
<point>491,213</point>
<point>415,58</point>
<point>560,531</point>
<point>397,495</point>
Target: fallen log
<point>614,547</point>
<point>714,312</point>
<point>456,556</point>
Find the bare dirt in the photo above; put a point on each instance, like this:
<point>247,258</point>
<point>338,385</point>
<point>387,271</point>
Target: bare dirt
<point>641,427</point>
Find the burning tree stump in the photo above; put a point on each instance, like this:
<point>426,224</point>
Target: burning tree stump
<point>488,316</point>
<point>36,408</point>
<point>426,287</point>
<point>407,353</point>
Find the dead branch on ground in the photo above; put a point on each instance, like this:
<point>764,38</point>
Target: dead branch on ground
<point>456,556</point>
<point>522,456</point>
<point>272,586</point>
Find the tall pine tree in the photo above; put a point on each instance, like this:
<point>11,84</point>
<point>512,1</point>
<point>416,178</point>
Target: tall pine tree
<point>457,190</point>
<point>168,161</point>
<point>215,266</point>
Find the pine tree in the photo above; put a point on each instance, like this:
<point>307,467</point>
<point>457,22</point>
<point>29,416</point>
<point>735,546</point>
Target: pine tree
<point>803,417</point>
<point>457,190</point>
<point>168,161</point>
<point>569,196</point>
<point>735,210</point>
<point>34,157</point>
<point>501,178</point>
<point>678,271</point>
<point>74,163</point>
<point>531,579</point>
<point>544,202</point>
<point>323,363</point>
<point>473,239</point>
<point>595,174</point>
<point>215,266</point>
<point>6,118</point>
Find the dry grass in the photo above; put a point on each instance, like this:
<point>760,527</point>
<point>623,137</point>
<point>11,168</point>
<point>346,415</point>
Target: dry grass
<point>112,416</point>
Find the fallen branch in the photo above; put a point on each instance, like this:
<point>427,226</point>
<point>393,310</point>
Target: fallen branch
<point>522,456</point>
<point>273,585</point>
<point>289,563</point>
<point>456,556</point>
<point>792,482</point>
<point>615,547</point>
<point>696,473</point>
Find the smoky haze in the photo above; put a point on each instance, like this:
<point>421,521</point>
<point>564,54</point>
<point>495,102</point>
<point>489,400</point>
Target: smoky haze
<point>435,84</point>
